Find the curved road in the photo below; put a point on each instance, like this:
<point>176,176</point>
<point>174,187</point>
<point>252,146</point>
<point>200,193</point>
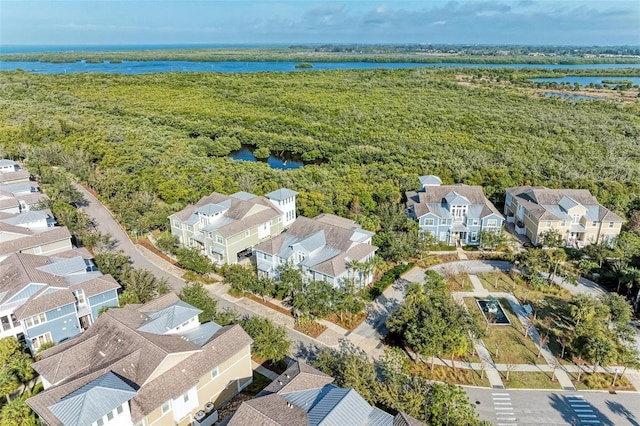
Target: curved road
<point>107,224</point>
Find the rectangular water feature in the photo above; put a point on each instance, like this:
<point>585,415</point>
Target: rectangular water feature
<point>493,312</point>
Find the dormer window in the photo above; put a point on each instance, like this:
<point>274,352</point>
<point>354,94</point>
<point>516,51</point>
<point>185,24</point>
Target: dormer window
<point>301,256</point>
<point>575,218</point>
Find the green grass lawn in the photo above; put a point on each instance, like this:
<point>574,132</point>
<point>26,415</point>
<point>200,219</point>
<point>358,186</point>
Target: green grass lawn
<point>459,282</point>
<point>508,340</point>
<point>530,380</point>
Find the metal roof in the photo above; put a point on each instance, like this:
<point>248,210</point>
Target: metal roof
<point>242,195</point>
<point>211,209</point>
<point>93,400</point>
<point>455,199</point>
<point>377,417</point>
<point>430,180</point>
<point>337,405</point>
<point>281,194</point>
<point>168,318</point>
<point>201,335</point>
<point>26,217</point>
<point>65,267</point>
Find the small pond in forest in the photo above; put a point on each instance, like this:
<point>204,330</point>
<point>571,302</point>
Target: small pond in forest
<point>283,160</point>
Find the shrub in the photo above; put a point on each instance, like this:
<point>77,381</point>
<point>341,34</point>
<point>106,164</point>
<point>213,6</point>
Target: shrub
<point>380,286</point>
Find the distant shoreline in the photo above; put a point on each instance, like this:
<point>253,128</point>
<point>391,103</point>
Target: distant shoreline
<point>312,53</point>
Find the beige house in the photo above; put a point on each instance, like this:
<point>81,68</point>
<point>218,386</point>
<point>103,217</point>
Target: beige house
<point>227,227</point>
<point>143,365</point>
<point>32,232</point>
<point>574,213</point>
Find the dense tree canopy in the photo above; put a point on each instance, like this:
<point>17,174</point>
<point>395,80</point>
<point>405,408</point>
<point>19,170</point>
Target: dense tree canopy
<point>150,144</point>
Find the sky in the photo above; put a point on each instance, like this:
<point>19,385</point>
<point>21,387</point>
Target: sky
<point>115,22</point>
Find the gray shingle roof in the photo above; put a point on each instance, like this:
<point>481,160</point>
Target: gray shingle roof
<point>47,236</point>
<point>303,395</point>
<point>552,204</point>
<point>329,240</point>
<point>434,199</point>
<point>114,344</point>
<point>93,400</point>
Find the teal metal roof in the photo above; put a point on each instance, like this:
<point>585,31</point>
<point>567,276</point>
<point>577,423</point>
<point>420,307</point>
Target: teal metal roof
<point>93,400</point>
<point>281,194</point>
<point>168,318</point>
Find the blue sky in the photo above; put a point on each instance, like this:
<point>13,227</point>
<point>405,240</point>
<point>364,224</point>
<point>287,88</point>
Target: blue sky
<point>556,22</point>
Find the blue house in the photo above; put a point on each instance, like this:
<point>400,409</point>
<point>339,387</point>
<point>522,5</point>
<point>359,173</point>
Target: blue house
<point>50,299</point>
<point>455,214</point>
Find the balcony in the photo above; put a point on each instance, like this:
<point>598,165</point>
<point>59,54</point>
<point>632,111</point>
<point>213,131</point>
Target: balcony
<point>520,229</point>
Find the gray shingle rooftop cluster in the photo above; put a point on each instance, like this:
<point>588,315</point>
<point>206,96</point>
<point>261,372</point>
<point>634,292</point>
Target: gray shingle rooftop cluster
<point>304,396</point>
<point>435,198</point>
<point>553,204</point>
<point>116,344</point>
<point>32,284</point>
<point>330,240</point>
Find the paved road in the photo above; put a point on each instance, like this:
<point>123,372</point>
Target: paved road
<point>538,407</point>
<point>106,224</point>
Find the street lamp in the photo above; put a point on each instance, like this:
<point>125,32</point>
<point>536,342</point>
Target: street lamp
<point>617,370</point>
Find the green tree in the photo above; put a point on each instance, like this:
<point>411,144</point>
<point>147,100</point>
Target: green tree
<point>115,264</point>
<point>192,260</point>
<point>270,341</point>
<point>196,295</point>
<point>18,413</point>
<point>167,242</point>
<point>15,366</point>
<point>552,238</point>
<point>240,278</point>
<point>140,286</point>
<point>449,405</point>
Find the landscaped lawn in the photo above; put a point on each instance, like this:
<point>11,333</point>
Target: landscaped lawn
<point>460,376</point>
<point>459,282</point>
<point>530,380</point>
<point>550,308</point>
<point>509,340</point>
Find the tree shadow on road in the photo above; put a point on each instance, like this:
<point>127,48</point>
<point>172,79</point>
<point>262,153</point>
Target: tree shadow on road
<point>621,410</point>
<point>561,404</point>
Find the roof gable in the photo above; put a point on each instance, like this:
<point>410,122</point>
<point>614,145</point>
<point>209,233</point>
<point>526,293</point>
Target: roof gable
<point>93,400</point>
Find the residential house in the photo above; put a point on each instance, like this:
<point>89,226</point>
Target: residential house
<point>304,396</point>
<point>11,172</point>
<point>152,364</point>
<point>50,299</point>
<point>33,232</point>
<point>227,227</point>
<point>574,213</point>
<point>452,213</point>
<point>326,248</point>
<point>19,197</point>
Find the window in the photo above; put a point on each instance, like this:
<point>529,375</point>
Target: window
<point>429,222</point>
<point>185,397</point>
<point>210,234</point>
<point>475,222</point>
<point>548,224</point>
<point>110,416</point>
<point>443,221</point>
<point>176,223</point>
<point>79,295</point>
<point>119,410</point>
<point>563,223</point>
<point>247,233</point>
<point>214,373</point>
<point>219,239</point>
<point>38,341</point>
<point>189,228</point>
<point>100,422</point>
<point>35,320</point>
<point>594,223</point>
<point>474,236</point>
<point>610,224</point>
<point>165,408</point>
<point>300,256</point>
<point>6,324</point>
<point>575,218</point>
<point>492,223</point>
